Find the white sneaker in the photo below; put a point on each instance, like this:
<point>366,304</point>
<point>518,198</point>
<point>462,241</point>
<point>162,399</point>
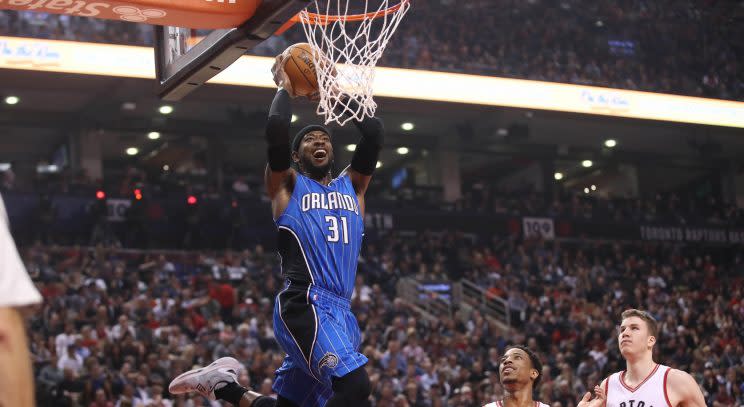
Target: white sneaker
<point>206,380</point>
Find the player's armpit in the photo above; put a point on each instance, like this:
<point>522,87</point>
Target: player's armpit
<point>279,187</point>
<point>683,390</point>
<point>16,378</point>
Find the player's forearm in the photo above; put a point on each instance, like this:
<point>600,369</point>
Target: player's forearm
<point>277,132</point>
<point>16,378</point>
<point>368,148</point>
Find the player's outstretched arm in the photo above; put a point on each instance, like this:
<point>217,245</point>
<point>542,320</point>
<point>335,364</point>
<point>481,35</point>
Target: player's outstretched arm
<point>279,176</point>
<point>367,152</point>
<point>16,380</point>
<point>683,390</point>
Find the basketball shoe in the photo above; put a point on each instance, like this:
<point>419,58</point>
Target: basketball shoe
<point>206,380</point>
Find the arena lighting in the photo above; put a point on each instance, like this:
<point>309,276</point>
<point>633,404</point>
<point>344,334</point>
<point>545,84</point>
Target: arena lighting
<point>295,118</point>
<point>407,126</point>
<point>128,106</point>
<point>12,100</point>
<point>379,164</point>
<point>191,200</point>
<point>138,62</point>
<point>166,167</point>
<point>609,143</point>
<point>558,176</point>
<point>4,166</point>
<point>132,151</point>
<point>165,109</point>
<point>153,135</point>
<point>594,187</point>
<point>587,163</point>
<point>586,190</point>
<point>351,147</point>
<point>100,195</point>
<point>402,150</point>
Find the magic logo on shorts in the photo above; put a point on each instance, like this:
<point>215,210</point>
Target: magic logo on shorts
<point>329,359</point>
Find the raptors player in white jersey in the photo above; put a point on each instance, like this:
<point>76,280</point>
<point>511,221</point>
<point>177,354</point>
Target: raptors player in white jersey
<point>646,383</point>
<point>519,373</point>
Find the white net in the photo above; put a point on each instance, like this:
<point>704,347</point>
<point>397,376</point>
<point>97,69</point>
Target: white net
<point>350,47</point>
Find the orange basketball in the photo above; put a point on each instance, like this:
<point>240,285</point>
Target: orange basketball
<point>301,69</point>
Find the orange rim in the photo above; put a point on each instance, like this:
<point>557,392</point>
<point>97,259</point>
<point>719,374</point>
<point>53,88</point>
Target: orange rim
<point>323,19</point>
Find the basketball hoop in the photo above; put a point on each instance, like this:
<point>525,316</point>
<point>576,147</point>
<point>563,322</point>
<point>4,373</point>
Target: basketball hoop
<point>350,46</point>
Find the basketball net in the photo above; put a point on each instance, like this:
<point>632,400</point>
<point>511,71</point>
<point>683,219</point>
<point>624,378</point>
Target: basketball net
<point>350,46</point>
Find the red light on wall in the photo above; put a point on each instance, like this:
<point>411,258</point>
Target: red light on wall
<point>138,194</point>
<point>191,200</point>
<point>100,195</point>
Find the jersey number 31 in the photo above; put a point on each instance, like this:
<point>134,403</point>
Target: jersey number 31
<point>335,236</point>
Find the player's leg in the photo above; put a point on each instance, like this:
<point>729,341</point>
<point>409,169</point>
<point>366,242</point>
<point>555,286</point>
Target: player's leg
<point>295,328</point>
<point>218,381</point>
<point>335,354</point>
<point>354,388</point>
<point>351,390</point>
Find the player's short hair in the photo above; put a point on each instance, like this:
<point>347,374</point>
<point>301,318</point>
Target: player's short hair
<point>534,360</point>
<point>653,326</point>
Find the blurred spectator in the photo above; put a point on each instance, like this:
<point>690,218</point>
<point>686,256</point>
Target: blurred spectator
<point>148,331</point>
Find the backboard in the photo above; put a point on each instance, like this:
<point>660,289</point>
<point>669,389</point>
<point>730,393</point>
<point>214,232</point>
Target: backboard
<point>186,58</point>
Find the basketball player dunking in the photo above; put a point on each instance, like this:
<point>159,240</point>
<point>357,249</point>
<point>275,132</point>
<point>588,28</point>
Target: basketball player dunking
<point>519,373</point>
<point>321,222</point>
<point>646,383</point>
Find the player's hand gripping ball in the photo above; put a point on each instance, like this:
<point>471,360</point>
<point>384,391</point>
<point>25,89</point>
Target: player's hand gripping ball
<point>295,71</point>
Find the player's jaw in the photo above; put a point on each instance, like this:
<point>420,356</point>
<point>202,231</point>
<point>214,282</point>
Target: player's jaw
<point>509,373</point>
<point>316,159</point>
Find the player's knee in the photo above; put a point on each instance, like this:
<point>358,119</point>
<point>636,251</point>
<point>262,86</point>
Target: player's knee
<point>355,386</point>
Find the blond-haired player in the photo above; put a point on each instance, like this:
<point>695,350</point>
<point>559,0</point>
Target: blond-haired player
<point>645,383</point>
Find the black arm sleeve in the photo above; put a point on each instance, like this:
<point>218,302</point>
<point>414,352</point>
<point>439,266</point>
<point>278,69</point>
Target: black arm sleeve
<point>277,132</point>
<point>368,148</point>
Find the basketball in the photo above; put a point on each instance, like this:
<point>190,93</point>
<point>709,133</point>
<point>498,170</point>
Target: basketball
<point>300,69</point>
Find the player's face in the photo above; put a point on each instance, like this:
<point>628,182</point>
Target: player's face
<point>516,368</point>
<point>634,337</point>
<point>316,153</point>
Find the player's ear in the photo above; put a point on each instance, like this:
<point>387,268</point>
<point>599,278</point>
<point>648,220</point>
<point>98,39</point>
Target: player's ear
<point>534,374</point>
<point>295,156</point>
<point>651,341</point>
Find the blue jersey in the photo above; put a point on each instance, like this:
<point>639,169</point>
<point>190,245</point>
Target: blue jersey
<point>320,235</point>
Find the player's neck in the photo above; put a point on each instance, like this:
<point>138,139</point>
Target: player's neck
<point>325,180</point>
<point>638,369</point>
<point>519,398</point>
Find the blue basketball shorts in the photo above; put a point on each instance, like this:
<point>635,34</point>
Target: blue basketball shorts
<point>321,337</point>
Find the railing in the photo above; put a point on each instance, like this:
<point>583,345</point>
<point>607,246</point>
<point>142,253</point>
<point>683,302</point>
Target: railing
<point>433,303</point>
<point>492,306</point>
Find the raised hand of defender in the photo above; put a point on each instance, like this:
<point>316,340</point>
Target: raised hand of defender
<point>598,401</point>
<point>280,77</point>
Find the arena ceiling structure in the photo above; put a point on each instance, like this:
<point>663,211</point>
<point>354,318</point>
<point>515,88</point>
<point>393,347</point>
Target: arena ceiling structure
<point>52,106</point>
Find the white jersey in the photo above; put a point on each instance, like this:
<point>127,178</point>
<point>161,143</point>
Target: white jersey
<point>16,288</point>
<point>651,392</point>
<point>501,404</point>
